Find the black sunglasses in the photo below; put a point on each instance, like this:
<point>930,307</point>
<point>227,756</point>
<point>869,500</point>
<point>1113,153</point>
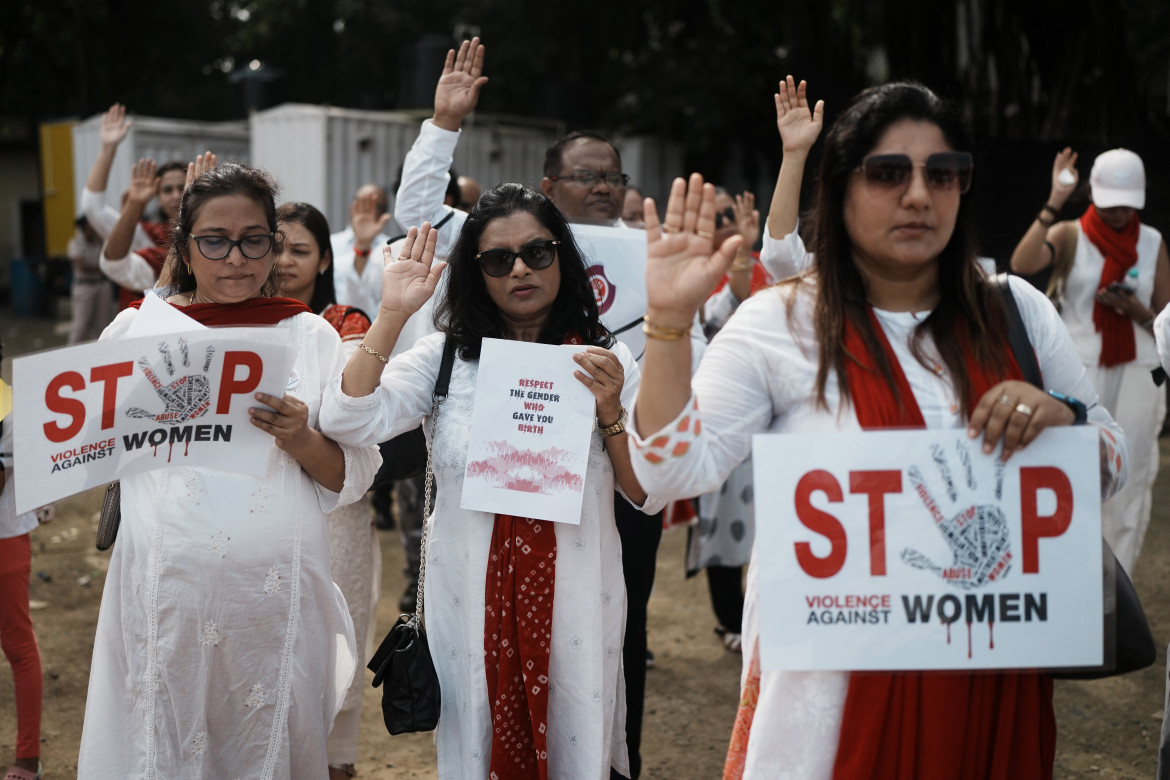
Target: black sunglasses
<point>536,255</point>
<point>727,215</point>
<point>945,171</point>
<point>252,247</point>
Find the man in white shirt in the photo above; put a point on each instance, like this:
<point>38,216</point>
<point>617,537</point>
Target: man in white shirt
<point>357,251</point>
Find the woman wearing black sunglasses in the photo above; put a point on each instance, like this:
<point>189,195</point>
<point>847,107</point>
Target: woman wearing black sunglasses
<point>550,703</point>
<point>894,326</point>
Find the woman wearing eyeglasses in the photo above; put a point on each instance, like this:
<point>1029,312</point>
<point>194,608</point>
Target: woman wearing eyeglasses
<point>223,648</point>
<point>894,326</point>
<point>555,708</point>
<point>1110,273</point>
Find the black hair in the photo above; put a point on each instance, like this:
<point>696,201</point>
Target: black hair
<point>554,156</point>
<point>467,314</point>
<point>312,220</point>
<point>966,302</point>
<point>225,179</point>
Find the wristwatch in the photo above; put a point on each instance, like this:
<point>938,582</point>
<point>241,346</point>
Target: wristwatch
<point>616,428</point>
<point>1078,408</point>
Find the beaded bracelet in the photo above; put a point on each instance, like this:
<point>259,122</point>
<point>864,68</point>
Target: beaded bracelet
<point>362,346</point>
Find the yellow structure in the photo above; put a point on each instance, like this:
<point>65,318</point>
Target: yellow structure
<point>57,183</point>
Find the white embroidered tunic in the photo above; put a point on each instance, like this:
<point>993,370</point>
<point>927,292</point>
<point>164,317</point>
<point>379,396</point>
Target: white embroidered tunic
<point>223,648</point>
<point>769,358</point>
<point>586,705</point>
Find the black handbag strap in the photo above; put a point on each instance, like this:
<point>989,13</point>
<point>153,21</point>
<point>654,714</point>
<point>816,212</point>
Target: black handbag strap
<point>1018,335</point>
<point>444,380</point>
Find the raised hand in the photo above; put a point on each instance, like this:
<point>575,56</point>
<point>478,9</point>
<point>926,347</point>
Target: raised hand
<point>144,181</point>
<point>747,217</point>
<point>457,92</point>
<point>682,263</point>
<point>1063,185</point>
<point>114,125</point>
<point>799,127</point>
<point>409,280</point>
<point>203,163</point>
<point>367,222</point>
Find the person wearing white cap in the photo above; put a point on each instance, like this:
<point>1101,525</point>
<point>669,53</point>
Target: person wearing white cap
<point>1110,279</point>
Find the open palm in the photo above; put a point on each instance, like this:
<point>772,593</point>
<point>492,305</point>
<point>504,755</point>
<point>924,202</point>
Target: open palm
<point>409,280</point>
<point>457,92</point>
<point>682,263</point>
<point>799,127</point>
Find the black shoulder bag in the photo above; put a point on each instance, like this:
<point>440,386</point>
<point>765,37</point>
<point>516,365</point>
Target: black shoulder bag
<point>1129,645</point>
<point>402,664</point>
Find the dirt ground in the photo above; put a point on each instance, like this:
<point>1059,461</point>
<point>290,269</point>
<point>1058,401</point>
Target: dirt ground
<point>1107,728</point>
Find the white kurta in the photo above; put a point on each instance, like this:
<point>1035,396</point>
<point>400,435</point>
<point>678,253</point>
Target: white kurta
<point>586,706</point>
<point>1127,391</point>
<point>223,648</point>
<point>759,375</point>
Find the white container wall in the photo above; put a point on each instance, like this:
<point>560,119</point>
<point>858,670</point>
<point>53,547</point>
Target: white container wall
<point>162,140</point>
<point>321,155</point>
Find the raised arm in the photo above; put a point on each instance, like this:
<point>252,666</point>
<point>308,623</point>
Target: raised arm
<point>112,132</point>
<point>143,187</point>
<point>407,283</point>
<point>1044,239</point>
<point>747,218</point>
<point>682,267</point>
<point>425,169</point>
<point>799,129</point>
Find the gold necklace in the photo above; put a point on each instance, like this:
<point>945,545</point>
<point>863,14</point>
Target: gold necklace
<point>191,298</point>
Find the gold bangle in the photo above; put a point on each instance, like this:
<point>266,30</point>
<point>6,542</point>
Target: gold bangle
<point>663,333</point>
<point>362,346</point>
<point>742,263</point>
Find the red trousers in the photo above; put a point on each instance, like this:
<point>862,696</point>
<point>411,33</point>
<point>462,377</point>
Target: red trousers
<point>19,644</point>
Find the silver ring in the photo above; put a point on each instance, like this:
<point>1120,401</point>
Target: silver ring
<point>1005,400</point>
<point>1023,409</point>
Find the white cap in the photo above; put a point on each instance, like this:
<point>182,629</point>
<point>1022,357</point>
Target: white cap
<point>1118,179</point>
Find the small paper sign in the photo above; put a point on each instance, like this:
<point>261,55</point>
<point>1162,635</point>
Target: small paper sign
<point>615,259</point>
<point>914,550</point>
<point>530,432</point>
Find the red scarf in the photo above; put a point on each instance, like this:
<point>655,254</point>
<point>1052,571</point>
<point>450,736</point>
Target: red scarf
<point>1119,248</point>
<point>927,725</point>
<point>254,311</point>
<point>350,322</point>
<point>517,641</point>
<point>155,256</point>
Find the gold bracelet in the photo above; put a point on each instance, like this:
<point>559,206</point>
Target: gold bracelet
<point>742,263</point>
<point>663,333</point>
<point>362,345</point>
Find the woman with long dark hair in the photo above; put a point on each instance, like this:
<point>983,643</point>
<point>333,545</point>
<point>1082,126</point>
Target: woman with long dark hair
<point>554,708</point>
<point>894,326</point>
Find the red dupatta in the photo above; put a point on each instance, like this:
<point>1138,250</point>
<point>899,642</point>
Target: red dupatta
<point>254,311</point>
<point>928,725</point>
<point>1119,248</point>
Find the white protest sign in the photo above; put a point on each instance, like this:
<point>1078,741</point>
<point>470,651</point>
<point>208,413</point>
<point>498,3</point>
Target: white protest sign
<point>530,432</point>
<point>615,259</point>
<point>94,413</point>
<point>914,550</point>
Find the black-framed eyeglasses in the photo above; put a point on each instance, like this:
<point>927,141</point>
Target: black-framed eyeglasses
<point>252,247</point>
<point>945,171</point>
<point>537,255</point>
<point>615,179</point>
<point>727,215</point>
